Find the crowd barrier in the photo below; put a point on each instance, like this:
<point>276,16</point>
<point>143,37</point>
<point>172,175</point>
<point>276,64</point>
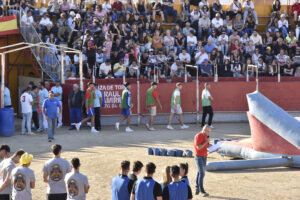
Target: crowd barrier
<point>229,96</point>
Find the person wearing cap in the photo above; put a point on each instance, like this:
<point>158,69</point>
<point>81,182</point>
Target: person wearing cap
<point>71,19</point>
<point>126,106</point>
<point>76,102</point>
<point>57,90</point>
<point>4,152</point>
<point>50,111</point>
<point>283,25</point>
<point>6,168</point>
<point>177,189</point>
<point>119,68</point>
<point>151,100</point>
<point>54,172</point>
<point>26,104</point>
<point>23,179</point>
<point>76,183</point>
<point>176,107</point>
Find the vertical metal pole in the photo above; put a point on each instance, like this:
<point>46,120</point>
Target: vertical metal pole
<point>247,74</point>
<point>154,76</point>
<point>62,75</point>
<point>278,73</point>
<point>124,78</point>
<point>185,74</point>
<point>197,96</point>
<point>94,73</point>
<point>138,101</point>
<point>256,78</point>
<point>80,71</point>
<point>216,73</point>
<point>2,79</point>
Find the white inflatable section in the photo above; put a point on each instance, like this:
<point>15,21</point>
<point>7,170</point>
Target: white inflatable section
<point>274,118</point>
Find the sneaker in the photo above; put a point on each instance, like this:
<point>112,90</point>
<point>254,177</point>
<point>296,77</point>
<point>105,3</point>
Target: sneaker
<point>211,126</point>
<point>128,129</point>
<point>31,134</point>
<point>170,127</point>
<point>59,125</point>
<point>152,129</point>
<point>147,126</point>
<point>117,125</point>
<point>39,130</point>
<point>72,128</point>
<point>78,125</point>
<point>49,140</point>
<point>204,194</point>
<point>197,192</point>
<point>184,126</point>
<point>93,130</point>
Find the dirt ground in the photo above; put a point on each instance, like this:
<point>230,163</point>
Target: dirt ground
<point>101,155</point>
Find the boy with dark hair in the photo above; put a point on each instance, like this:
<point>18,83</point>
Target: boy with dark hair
<point>121,185</point>
<point>126,107</point>
<point>76,183</point>
<point>55,171</point>
<point>151,100</point>
<point>4,152</point>
<point>136,170</point>
<point>89,105</point>
<point>177,189</point>
<point>6,168</point>
<point>147,188</point>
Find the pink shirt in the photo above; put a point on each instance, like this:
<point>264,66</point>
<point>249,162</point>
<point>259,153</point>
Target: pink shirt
<point>65,7</point>
<point>100,15</point>
<point>108,45</point>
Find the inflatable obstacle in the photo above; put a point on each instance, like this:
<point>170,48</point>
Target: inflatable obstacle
<point>274,142</point>
<point>172,152</point>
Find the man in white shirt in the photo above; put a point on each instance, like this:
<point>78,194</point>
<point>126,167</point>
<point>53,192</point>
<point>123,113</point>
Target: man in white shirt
<point>105,68</point>
<point>106,6</point>
<point>191,41</point>
<point>26,104</point>
<point>176,69</point>
<point>257,40</point>
<point>184,57</point>
<point>57,90</point>
<point>27,19</point>
<point>223,41</point>
<point>217,23</point>
<point>201,56</point>
<point>45,21</point>
<point>249,9</point>
<point>71,19</point>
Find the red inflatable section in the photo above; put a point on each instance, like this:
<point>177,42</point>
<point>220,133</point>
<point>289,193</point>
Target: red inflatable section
<point>266,140</point>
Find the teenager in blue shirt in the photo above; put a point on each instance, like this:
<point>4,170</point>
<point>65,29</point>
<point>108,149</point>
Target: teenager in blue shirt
<point>50,110</point>
<point>177,189</point>
<point>146,188</point>
<point>184,170</point>
<point>121,185</point>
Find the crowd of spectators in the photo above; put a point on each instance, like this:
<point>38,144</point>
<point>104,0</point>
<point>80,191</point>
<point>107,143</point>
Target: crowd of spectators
<point>122,37</point>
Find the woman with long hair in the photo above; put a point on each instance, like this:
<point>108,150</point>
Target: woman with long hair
<point>166,177</point>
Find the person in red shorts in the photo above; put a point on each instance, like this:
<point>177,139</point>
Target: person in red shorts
<point>89,105</point>
<point>201,143</point>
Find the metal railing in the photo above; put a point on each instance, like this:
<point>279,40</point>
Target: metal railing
<point>30,35</point>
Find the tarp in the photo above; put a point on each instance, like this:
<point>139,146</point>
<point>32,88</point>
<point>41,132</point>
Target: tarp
<point>8,25</point>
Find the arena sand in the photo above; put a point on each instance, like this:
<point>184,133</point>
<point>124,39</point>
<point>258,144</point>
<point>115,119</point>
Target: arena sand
<point>101,155</point>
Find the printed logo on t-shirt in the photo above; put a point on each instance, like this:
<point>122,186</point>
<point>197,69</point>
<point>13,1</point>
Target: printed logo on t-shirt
<point>73,188</point>
<point>19,183</point>
<point>56,173</point>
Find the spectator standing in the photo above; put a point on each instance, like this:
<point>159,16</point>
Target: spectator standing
<point>121,185</point>
<point>50,111</point>
<point>206,105</point>
<point>169,10</point>
<point>98,102</point>
<point>23,179</point>
<point>76,102</point>
<point>147,186</point>
<point>76,183</point>
<point>126,106</point>
<point>54,172</point>
<point>177,189</point>
<point>7,98</point>
<point>57,90</point>
<point>151,100</point>
<point>176,107</point>
<point>201,143</point>
<point>43,95</point>
<point>6,167</point>
<point>26,104</point>
<point>4,152</point>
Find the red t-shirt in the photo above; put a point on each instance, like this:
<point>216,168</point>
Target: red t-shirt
<point>200,139</point>
<point>117,5</point>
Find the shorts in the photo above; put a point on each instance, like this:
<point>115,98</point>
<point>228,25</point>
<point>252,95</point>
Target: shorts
<point>152,111</point>
<point>126,111</point>
<point>178,109</point>
<point>91,112</point>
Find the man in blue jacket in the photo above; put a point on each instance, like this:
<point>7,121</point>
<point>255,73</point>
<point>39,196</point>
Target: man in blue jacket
<point>146,188</point>
<point>121,185</point>
<point>177,189</point>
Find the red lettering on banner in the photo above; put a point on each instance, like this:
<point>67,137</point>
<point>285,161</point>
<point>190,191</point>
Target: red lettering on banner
<point>112,95</point>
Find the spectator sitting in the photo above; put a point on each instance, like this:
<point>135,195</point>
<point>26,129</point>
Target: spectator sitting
<point>280,45</point>
<point>205,69</point>
<point>72,76</point>
<point>201,56</point>
<point>283,25</point>
<point>135,67</point>
<point>204,27</point>
<point>245,39</point>
<point>205,10</point>
<point>272,24</point>
<point>184,57</point>
<point>282,59</point>
<point>105,68</point>
<point>168,41</point>
<point>262,69</point>
<point>276,8</point>
<point>119,69</point>
<point>235,8</point>
<point>169,10</point>
<point>177,69</point>
<point>109,76</point>
<point>157,9</point>
<point>131,73</point>
<point>203,3</point>
<point>257,40</point>
<point>100,13</point>
<point>291,41</point>
<point>250,25</point>
<point>268,56</point>
<point>235,36</point>
<point>288,69</point>
<point>186,8</point>
<point>183,19</point>
<point>106,6</point>
<point>65,6</point>
<point>27,19</point>
<point>223,41</point>
<point>45,21</point>
<point>236,69</point>
<point>217,23</point>
<point>256,56</point>
<point>187,29</point>
<point>119,8</point>
<point>217,8</point>
<point>228,25</point>
<point>195,16</point>
<point>179,43</point>
<point>238,24</point>
<point>191,41</point>
<point>249,9</point>
<point>209,46</point>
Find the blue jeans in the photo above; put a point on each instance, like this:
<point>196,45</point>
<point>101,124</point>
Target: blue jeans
<point>169,11</point>
<point>51,127</point>
<point>201,163</point>
<point>284,31</point>
<point>75,113</point>
<point>26,121</point>
<point>191,49</point>
<point>224,49</point>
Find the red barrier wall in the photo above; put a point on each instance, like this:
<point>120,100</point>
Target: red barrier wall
<point>228,95</point>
